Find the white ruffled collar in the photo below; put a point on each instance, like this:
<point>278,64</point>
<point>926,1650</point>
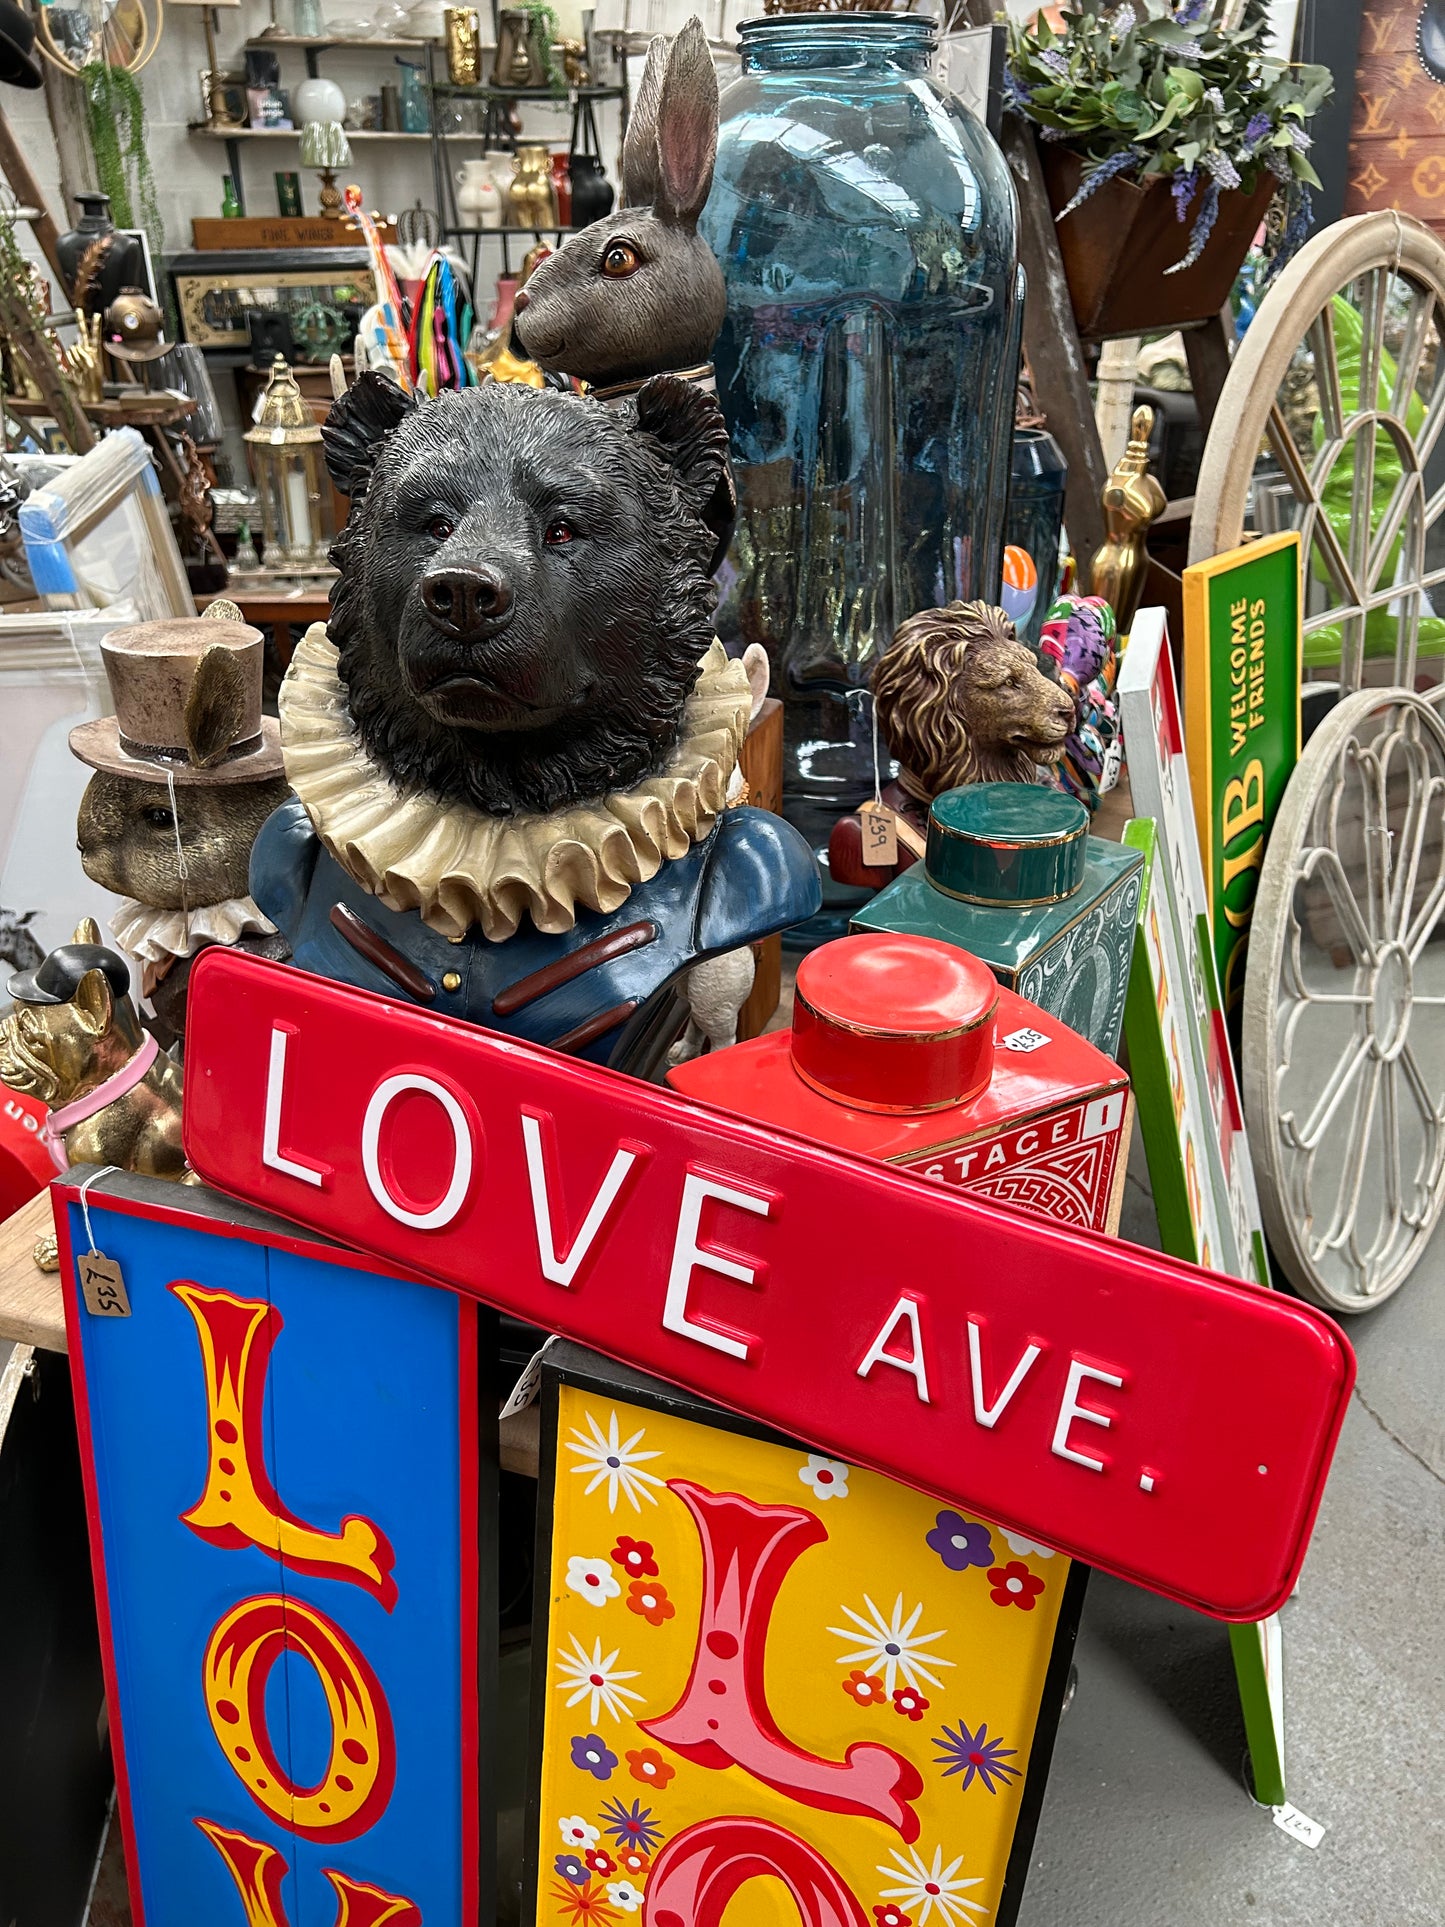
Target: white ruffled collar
<point>152,936</point>
<point>457,867</point>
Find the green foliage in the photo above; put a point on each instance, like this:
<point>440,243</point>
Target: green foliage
<point>546,16</point>
<point>1161,83</point>
<point>116,122</point>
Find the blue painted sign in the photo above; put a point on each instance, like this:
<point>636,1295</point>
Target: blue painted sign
<point>291,1680</point>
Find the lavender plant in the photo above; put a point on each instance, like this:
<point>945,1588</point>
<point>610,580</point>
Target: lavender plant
<point>1176,90</point>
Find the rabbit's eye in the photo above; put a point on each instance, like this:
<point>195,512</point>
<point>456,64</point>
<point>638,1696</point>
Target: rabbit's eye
<point>441,528</point>
<point>557,533</point>
<point>160,816</point>
<point>620,259</point>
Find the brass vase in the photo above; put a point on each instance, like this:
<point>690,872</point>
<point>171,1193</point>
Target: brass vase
<point>464,46</point>
<point>531,189</point>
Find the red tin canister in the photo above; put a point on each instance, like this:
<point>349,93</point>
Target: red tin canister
<point>908,1049</point>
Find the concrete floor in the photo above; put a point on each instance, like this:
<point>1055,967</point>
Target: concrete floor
<point>1146,1823</point>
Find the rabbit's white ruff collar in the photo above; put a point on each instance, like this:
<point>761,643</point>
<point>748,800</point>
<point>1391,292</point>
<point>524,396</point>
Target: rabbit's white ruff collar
<point>151,935</point>
<point>457,867</point>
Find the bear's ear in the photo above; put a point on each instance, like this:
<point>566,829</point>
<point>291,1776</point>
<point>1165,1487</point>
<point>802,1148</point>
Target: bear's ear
<point>358,424</point>
<point>686,426</point>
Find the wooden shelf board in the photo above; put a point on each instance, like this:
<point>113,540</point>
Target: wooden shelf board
<point>319,42</point>
<point>32,1308</point>
<point>207,132</point>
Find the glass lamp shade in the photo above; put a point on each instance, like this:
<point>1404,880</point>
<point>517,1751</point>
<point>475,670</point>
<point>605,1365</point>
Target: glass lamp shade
<point>289,468</point>
<point>324,144</point>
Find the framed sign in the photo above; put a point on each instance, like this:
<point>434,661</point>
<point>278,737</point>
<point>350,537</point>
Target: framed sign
<point>1086,1394</point>
<point>772,1686</point>
<point>1159,777</point>
<point>1184,1153</point>
<point>1242,666</point>
<point>285,1517</point>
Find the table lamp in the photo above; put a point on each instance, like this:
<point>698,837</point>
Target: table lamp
<point>325,147</point>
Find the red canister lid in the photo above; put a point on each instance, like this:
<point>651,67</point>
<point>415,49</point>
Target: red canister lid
<point>894,1023</point>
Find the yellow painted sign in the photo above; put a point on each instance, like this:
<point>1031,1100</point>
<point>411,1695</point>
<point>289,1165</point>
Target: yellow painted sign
<point>778,1688</point>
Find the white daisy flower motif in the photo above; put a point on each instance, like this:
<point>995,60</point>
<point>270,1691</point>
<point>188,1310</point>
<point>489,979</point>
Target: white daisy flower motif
<point>588,1676</point>
<point>828,1478</point>
<point>931,1888</point>
<point>1025,1548</point>
<point>579,1833</point>
<point>623,1894</point>
<point>891,1646</point>
<point>615,1463</point>
<point>592,1580</point>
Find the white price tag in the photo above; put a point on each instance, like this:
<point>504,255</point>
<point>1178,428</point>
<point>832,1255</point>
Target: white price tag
<point>1024,1040</point>
<point>1298,1825</point>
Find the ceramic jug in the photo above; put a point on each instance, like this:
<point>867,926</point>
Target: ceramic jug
<point>479,205</point>
<point>531,189</point>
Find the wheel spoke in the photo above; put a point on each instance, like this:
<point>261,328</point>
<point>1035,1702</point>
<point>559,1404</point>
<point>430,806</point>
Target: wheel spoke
<point>1326,866</point>
<point>1407,490</point>
<point>1287,455</point>
<point>1362,496</point>
<point>1372,339</point>
<point>1321,339</point>
<point>1347,1205</point>
<point>1412,350</point>
<point>1330,1098</point>
<point>1422,811</point>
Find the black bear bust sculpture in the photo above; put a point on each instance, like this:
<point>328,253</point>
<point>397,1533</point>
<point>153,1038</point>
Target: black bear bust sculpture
<point>512,750</point>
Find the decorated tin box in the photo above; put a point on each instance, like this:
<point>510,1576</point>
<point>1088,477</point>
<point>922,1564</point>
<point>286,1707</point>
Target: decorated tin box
<point>906,1048</point>
<point>1012,875</point>
<point>771,1687</point>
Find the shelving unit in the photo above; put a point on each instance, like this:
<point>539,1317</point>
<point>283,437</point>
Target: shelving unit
<point>497,132</point>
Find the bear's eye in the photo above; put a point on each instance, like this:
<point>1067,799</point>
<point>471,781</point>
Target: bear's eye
<point>441,528</point>
<point>621,258</point>
<point>160,816</point>
<point>558,532</point>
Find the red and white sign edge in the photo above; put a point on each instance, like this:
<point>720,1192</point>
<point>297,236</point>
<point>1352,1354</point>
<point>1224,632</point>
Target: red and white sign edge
<point>1160,1422</point>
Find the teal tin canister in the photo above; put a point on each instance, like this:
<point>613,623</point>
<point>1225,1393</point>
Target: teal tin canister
<point>1012,875</point>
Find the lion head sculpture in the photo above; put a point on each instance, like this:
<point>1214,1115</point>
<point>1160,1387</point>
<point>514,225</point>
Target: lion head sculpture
<point>961,700</point>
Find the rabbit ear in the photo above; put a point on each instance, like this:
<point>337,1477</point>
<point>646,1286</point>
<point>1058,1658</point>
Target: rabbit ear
<point>216,706</point>
<point>686,127</point>
<point>639,150</point>
<point>358,424</point>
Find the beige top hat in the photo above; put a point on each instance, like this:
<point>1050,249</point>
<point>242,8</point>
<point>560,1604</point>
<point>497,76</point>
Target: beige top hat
<point>187,703</point>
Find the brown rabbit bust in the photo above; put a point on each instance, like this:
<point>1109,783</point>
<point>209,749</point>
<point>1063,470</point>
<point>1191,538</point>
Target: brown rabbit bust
<point>186,773</point>
<point>640,292</point>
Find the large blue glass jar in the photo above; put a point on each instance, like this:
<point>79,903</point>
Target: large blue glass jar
<point>867,229</point>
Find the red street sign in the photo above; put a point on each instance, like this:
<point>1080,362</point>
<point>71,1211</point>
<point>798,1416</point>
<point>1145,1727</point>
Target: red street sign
<point>1168,1425</point>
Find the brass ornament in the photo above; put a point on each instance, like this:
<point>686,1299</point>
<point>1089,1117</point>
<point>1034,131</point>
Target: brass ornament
<point>1132,500</point>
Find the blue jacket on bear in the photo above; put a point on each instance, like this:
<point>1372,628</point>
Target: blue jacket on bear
<point>595,991</point>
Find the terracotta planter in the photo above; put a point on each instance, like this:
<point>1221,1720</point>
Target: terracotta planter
<point>1117,246</point>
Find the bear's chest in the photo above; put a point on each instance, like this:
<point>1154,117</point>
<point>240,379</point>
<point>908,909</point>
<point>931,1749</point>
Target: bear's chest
<point>589,991</point>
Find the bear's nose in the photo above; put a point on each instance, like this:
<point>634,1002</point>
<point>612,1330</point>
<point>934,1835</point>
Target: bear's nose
<point>466,601</point>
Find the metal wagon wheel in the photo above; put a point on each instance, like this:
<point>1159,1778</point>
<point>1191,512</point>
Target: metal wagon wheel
<point>1329,422</point>
<point>1344,1004</point>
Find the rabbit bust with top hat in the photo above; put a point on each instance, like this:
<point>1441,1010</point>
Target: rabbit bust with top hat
<point>186,772</point>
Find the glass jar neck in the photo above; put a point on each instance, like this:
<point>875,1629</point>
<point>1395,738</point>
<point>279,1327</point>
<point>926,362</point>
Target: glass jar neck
<point>816,42</point>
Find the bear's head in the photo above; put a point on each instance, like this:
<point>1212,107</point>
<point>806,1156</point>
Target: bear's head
<point>524,591</point>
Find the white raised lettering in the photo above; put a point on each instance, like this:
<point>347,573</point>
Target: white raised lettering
<point>906,1310</point>
<point>687,1252</point>
<point>986,1414</point>
<point>382,1098</point>
<point>563,1270</point>
<point>1070,1409</point>
<point>271,1152</point>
